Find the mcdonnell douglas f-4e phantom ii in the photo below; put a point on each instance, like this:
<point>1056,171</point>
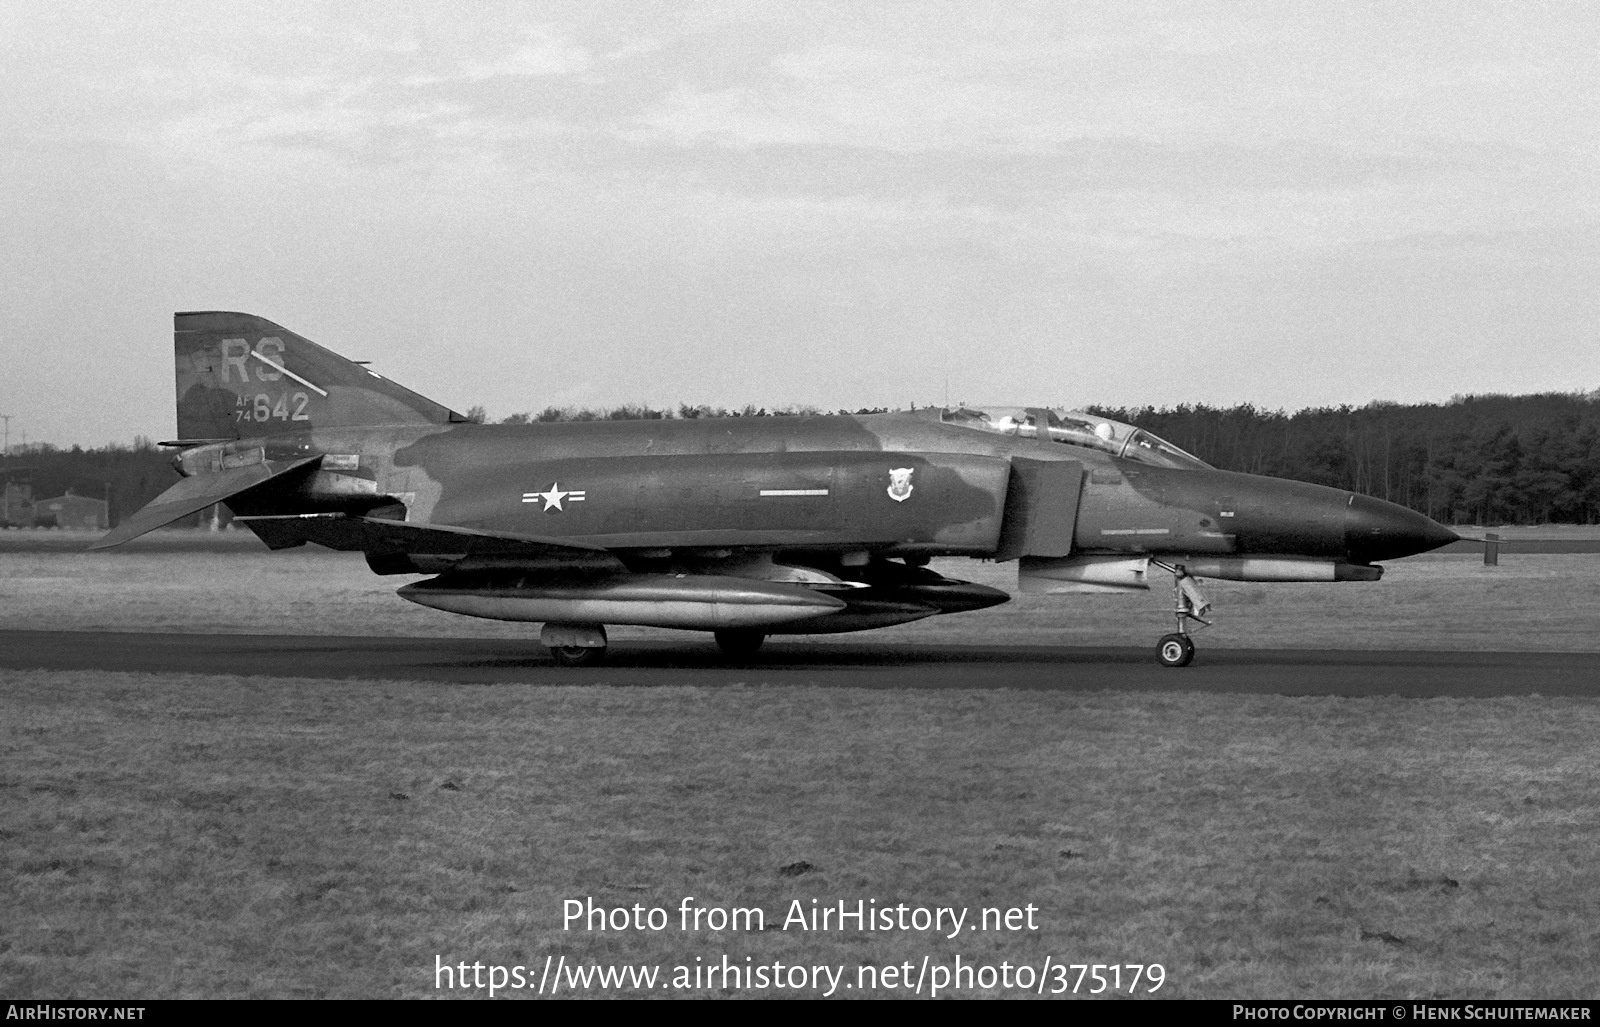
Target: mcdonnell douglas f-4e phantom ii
<point>744,527</point>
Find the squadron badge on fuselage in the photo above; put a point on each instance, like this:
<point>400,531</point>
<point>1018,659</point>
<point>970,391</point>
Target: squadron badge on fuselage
<point>900,483</point>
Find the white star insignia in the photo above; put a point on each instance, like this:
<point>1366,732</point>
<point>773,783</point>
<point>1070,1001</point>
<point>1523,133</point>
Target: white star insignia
<point>553,497</point>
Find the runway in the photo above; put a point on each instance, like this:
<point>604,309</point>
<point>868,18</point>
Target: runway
<point>789,663</point>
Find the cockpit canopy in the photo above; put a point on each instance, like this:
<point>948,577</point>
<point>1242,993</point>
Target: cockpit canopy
<point>1075,428</point>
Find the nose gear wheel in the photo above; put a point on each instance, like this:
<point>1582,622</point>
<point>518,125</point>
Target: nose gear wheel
<point>1175,650</point>
<point>1188,604</point>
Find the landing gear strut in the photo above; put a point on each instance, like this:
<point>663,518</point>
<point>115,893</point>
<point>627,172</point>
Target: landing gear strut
<point>1188,604</point>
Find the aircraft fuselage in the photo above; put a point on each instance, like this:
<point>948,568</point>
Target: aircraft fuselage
<point>825,483</point>
<point>745,526</point>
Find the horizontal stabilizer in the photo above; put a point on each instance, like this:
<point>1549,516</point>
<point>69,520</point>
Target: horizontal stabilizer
<point>194,494</point>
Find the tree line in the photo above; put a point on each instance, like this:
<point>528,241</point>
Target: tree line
<point>1475,460</point>
<point>1488,459</point>
<point>643,412</point>
<point>127,477</point>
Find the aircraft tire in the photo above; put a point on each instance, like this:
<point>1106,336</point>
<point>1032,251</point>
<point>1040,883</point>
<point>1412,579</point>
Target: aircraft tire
<point>1175,650</point>
<point>577,655</point>
<point>737,642</point>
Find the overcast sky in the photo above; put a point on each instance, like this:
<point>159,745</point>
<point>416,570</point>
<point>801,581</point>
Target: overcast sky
<point>840,204</point>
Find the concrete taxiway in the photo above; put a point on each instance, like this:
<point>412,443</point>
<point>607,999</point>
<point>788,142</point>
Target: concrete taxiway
<point>791,663</point>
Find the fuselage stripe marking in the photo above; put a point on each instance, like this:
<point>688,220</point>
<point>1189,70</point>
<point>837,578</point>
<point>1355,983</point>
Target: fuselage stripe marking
<point>794,492</point>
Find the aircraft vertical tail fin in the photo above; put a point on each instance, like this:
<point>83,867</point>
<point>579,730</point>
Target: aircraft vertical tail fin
<point>241,376</point>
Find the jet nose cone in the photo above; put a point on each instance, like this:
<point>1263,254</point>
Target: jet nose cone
<point>1375,530</point>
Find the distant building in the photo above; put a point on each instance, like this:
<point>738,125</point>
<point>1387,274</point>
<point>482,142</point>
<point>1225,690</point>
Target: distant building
<point>70,511</point>
<point>16,505</point>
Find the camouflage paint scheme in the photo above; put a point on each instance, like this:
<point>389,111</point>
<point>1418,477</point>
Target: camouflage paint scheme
<point>837,514</point>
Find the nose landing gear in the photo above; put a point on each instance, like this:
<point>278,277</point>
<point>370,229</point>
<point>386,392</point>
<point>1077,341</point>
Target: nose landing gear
<point>1189,604</point>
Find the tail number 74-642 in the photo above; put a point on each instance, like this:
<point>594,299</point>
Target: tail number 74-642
<point>285,406</point>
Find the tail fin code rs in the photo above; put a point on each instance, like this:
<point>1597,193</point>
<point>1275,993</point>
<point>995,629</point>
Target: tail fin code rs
<point>241,376</point>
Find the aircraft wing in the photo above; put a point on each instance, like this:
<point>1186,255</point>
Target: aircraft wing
<point>194,494</point>
<point>477,546</point>
<point>397,544</point>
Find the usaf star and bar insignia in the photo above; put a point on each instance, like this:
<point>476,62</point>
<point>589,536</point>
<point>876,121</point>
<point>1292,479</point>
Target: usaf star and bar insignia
<point>554,496</point>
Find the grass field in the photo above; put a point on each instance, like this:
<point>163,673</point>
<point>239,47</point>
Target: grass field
<point>181,836</point>
<point>170,837</point>
<point>196,582</point>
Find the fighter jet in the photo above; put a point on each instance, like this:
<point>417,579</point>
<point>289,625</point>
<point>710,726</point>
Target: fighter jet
<point>743,527</point>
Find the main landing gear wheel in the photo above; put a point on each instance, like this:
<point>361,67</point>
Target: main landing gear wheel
<point>1175,650</point>
<point>575,645</point>
<point>739,642</point>
<point>577,655</point>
